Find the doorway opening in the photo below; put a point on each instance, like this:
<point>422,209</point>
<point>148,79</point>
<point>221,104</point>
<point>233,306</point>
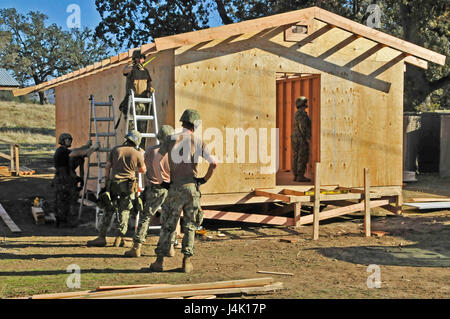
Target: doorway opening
<point>289,87</point>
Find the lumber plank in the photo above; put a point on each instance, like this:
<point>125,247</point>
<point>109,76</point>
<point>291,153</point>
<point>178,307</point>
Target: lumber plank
<point>275,273</point>
<point>343,210</point>
<point>61,295</point>
<point>8,221</point>
<point>378,36</point>
<point>183,287</point>
<point>104,288</point>
<point>202,297</point>
<point>367,202</point>
<point>223,32</point>
<point>417,62</point>
<point>316,202</point>
<point>429,199</point>
<point>187,293</point>
<point>248,218</point>
<point>271,195</point>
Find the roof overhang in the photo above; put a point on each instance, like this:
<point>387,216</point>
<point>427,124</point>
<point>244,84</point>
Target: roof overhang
<point>409,52</point>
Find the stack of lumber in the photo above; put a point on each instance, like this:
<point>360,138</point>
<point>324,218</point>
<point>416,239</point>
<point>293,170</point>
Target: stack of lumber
<point>26,171</point>
<point>5,171</point>
<point>166,291</point>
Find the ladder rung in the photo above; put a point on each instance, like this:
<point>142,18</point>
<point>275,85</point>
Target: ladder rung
<point>143,99</point>
<point>92,177</point>
<point>144,117</point>
<point>102,165</point>
<point>103,103</point>
<point>148,135</point>
<point>103,134</point>
<point>103,119</point>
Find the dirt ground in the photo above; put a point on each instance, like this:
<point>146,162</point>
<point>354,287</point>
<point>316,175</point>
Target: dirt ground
<point>412,259</point>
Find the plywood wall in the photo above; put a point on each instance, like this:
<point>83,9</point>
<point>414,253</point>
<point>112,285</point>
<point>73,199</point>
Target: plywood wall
<point>232,83</point>
<point>73,105</point>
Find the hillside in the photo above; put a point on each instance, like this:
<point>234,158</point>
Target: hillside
<point>32,126</point>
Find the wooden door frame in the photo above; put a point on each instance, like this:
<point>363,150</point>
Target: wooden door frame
<point>314,110</point>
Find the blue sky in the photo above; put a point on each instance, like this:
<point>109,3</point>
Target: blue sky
<point>56,11</point>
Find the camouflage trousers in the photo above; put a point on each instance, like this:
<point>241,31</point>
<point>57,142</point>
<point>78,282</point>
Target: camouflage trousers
<point>180,198</point>
<point>122,198</point>
<point>154,196</point>
<point>300,149</point>
<point>66,197</point>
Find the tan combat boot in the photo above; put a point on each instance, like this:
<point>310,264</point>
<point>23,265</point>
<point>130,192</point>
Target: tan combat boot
<point>135,251</point>
<point>100,241</point>
<point>119,242</point>
<point>187,264</point>
<point>171,252</point>
<point>157,266</point>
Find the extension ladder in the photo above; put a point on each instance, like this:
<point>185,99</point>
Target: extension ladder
<point>108,133</point>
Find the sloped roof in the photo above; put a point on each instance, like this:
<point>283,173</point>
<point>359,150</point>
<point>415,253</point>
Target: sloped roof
<point>7,80</point>
<point>411,53</point>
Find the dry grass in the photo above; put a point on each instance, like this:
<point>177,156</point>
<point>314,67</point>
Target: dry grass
<point>24,123</point>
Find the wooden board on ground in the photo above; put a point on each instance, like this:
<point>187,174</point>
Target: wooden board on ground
<point>429,199</point>
<point>8,221</point>
<point>188,293</point>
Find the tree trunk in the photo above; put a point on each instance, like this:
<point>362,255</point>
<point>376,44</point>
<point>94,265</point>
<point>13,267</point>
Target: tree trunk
<point>42,98</point>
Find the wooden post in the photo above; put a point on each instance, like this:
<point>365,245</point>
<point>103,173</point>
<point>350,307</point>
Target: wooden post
<point>11,157</point>
<point>398,204</point>
<point>366,202</point>
<point>316,202</point>
<point>297,213</point>
<point>16,154</point>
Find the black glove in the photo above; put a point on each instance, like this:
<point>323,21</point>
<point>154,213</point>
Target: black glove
<point>200,181</point>
<point>165,185</point>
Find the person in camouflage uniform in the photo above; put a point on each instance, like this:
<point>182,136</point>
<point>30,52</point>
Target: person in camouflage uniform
<point>139,80</point>
<point>184,194</point>
<point>154,194</point>
<point>300,140</point>
<point>66,161</point>
<point>120,186</point>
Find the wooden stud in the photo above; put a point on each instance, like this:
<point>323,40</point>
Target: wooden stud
<point>16,158</point>
<point>398,204</point>
<point>367,224</point>
<point>297,213</point>
<point>316,202</point>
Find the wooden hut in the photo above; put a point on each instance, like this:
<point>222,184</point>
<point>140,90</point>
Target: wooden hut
<point>246,76</point>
